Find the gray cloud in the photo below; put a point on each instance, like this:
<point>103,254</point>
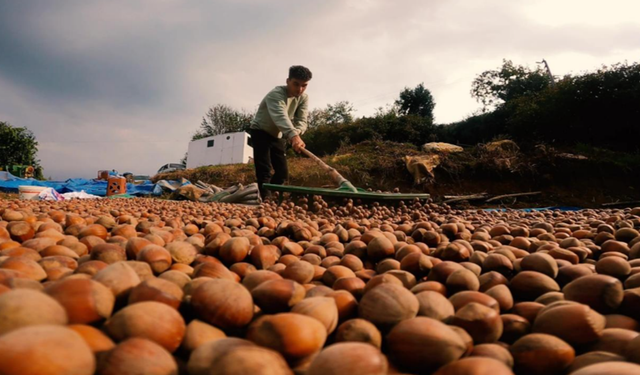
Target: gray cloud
<point>124,53</point>
<point>124,84</point>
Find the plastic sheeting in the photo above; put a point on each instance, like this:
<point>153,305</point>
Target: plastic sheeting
<point>551,208</point>
<point>10,183</point>
<point>421,167</point>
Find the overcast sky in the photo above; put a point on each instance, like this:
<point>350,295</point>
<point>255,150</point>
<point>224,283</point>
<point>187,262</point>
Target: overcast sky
<point>123,84</point>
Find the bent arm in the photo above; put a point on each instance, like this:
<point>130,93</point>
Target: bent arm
<point>277,107</point>
<point>302,115</point>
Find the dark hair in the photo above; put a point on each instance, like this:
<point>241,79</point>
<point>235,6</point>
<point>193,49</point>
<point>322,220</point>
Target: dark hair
<point>300,72</point>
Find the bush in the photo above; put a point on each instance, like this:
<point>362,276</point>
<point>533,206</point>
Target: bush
<point>18,146</point>
<point>326,139</point>
<point>599,109</point>
<point>476,129</point>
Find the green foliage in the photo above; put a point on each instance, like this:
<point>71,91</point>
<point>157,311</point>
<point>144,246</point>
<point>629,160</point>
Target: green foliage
<point>18,146</point>
<point>509,82</point>
<point>481,128</point>
<point>416,102</point>
<point>326,139</point>
<point>334,114</point>
<point>604,156</point>
<point>373,163</point>
<point>221,119</point>
<point>599,109</point>
<point>409,120</point>
<point>389,109</point>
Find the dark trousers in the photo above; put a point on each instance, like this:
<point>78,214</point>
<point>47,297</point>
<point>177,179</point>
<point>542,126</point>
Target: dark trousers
<point>268,152</point>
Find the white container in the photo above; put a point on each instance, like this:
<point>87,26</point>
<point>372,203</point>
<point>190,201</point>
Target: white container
<point>30,192</point>
<point>229,148</point>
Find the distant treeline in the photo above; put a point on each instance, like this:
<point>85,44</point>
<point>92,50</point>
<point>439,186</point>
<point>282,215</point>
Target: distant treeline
<point>600,109</point>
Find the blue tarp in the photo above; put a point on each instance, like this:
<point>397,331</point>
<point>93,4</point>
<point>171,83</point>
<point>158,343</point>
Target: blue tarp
<point>559,208</point>
<point>10,183</point>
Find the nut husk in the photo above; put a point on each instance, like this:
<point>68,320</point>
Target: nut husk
<point>24,307</point>
<point>324,309</point>
<point>494,351</point>
<point>529,285</point>
<point>235,356</point>
<point>97,340</point>
<point>223,303</point>
<point>137,356</point>
<point>539,353</point>
<point>423,344</point>
<point>60,350</point>
<point>481,322</point>
<point>573,322</point>
<point>151,320</point>
<point>388,304</point>
<point>617,368</point>
<point>85,301</point>
<point>119,277</point>
<point>199,333</point>
<point>434,305</point>
<point>359,330</point>
<point>295,336</point>
<point>349,358</point>
<point>475,366</point>
<point>159,290</point>
<point>278,295</point>
<point>602,293</point>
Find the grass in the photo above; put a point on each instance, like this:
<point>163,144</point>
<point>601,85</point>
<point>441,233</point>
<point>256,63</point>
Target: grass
<point>619,159</point>
<point>375,165</point>
<point>378,165</point>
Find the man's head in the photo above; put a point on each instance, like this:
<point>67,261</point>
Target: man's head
<point>299,77</point>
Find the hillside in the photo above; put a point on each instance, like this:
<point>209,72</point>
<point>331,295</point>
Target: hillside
<point>583,177</point>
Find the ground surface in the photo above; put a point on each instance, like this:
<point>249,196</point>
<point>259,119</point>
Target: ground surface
<point>190,280</point>
<point>579,177</point>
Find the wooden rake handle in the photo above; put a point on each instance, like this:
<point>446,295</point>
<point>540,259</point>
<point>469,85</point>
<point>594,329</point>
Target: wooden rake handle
<point>337,177</point>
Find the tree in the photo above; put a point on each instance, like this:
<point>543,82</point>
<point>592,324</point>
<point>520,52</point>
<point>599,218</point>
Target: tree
<point>417,101</point>
<point>387,110</point>
<point>338,113</point>
<point>316,118</point>
<point>221,119</point>
<point>598,109</point>
<point>18,146</point>
<point>492,88</point>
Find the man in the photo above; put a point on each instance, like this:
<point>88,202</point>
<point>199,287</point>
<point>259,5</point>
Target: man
<point>281,117</point>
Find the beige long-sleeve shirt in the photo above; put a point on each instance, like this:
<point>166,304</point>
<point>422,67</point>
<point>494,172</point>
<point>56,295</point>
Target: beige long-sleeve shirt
<point>281,116</point>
